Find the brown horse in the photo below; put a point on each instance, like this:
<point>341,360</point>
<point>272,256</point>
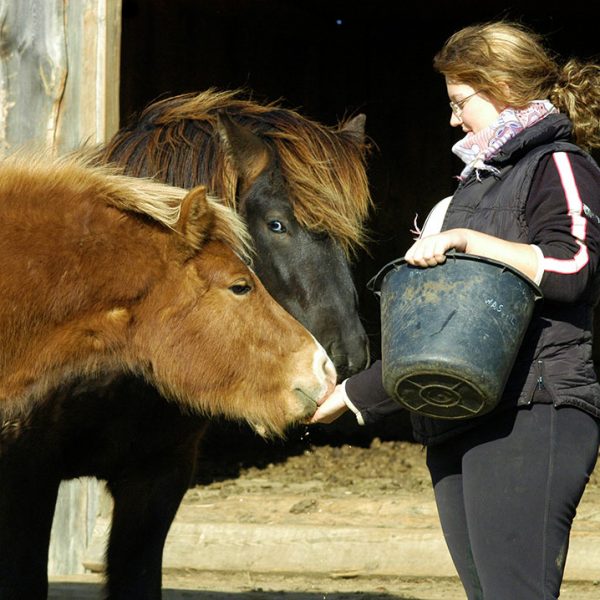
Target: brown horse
<point>103,275</point>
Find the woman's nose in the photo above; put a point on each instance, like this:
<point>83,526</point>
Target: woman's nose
<point>454,120</point>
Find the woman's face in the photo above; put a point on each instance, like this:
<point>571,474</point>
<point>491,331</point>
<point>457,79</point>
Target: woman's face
<point>472,110</point>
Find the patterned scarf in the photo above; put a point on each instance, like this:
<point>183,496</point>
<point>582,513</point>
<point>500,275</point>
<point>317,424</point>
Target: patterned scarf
<point>476,148</point>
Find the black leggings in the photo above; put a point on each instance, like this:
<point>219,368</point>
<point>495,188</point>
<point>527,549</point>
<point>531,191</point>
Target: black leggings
<point>507,493</point>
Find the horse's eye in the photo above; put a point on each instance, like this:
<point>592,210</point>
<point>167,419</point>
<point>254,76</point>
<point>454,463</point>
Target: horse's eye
<point>277,226</point>
<point>239,289</point>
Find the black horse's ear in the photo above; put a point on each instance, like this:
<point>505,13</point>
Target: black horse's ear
<point>250,154</point>
<point>356,127</point>
<point>195,219</point>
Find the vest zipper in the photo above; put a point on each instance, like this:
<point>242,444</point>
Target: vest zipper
<point>540,379</point>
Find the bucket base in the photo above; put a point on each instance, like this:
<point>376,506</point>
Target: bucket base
<point>441,396</point>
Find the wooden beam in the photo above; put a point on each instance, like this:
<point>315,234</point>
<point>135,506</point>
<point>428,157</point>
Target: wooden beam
<point>89,110</point>
<point>59,88</point>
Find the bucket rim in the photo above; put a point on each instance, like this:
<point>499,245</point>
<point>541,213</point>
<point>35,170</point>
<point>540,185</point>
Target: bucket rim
<point>375,283</point>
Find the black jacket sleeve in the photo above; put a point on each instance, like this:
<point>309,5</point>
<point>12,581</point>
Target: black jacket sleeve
<point>562,217</point>
<point>368,396</point>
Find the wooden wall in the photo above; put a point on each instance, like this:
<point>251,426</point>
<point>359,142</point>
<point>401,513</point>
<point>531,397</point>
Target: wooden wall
<point>59,72</point>
<point>59,84</point>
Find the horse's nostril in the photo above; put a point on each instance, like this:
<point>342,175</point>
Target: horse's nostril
<point>342,373</point>
<point>350,356</point>
<point>361,361</point>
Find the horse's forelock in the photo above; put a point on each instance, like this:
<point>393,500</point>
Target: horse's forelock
<point>326,175</point>
<point>162,202</point>
<point>154,148</point>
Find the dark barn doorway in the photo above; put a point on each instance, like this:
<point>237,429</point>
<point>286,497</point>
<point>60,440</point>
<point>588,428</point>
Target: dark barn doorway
<point>331,58</point>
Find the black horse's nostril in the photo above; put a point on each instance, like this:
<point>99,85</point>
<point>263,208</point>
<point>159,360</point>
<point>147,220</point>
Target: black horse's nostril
<point>349,358</point>
<point>343,372</point>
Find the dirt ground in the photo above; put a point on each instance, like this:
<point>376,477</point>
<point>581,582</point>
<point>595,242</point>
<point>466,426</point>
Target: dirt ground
<point>323,465</point>
<point>339,461</point>
<point>342,457</point>
<point>246,586</point>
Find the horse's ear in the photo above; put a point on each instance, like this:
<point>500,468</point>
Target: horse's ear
<point>356,127</point>
<point>249,153</point>
<point>196,218</point>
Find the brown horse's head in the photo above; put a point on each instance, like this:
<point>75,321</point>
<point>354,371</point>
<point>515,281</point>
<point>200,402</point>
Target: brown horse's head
<point>106,273</point>
<point>211,313</point>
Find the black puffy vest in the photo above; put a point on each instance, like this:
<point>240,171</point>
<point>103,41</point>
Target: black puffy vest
<point>556,354</point>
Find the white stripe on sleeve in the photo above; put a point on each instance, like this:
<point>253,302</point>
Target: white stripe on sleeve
<point>578,221</point>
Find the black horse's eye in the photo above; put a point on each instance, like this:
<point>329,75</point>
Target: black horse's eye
<point>239,289</point>
<point>277,226</point>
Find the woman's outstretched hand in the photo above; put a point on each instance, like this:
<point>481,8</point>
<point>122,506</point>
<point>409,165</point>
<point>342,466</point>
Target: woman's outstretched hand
<point>331,407</point>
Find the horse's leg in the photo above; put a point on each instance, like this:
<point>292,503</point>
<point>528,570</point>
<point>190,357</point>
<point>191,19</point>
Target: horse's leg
<point>146,498</point>
<point>28,491</point>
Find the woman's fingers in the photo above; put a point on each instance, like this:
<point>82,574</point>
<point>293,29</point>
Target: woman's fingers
<point>431,250</point>
<point>332,407</point>
<point>427,252</point>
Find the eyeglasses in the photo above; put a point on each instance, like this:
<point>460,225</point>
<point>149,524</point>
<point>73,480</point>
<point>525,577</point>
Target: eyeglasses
<point>457,107</point>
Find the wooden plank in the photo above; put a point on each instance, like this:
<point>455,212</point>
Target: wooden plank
<point>90,105</point>
<point>33,71</point>
<point>59,85</point>
<point>88,113</point>
<point>74,520</point>
<point>392,538</point>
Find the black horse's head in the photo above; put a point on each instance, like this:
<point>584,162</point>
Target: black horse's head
<point>305,270</point>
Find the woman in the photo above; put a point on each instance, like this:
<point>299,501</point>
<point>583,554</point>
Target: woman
<point>507,484</point>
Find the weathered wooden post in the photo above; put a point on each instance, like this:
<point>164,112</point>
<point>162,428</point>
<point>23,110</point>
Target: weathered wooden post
<point>59,86</point>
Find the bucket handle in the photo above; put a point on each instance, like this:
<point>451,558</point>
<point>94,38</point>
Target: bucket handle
<point>374,284</point>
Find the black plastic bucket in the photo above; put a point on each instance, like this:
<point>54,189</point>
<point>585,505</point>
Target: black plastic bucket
<point>451,333</point>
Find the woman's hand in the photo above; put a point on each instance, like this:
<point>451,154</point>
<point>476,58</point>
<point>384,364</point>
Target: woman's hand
<point>431,250</point>
<point>331,407</point>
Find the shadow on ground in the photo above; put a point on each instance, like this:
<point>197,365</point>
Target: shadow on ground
<point>228,447</point>
<point>93,591</point>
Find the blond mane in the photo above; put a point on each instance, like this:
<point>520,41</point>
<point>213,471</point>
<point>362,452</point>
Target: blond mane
<point>80,173</point>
